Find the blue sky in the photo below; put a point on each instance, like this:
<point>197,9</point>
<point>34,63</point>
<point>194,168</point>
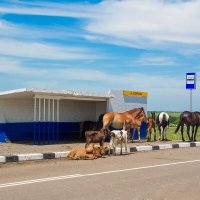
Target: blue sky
<point>94,46</point>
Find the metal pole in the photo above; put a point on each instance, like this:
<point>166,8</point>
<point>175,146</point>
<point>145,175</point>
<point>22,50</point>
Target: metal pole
<point>49,102</point>
<point>190,100</point>
<point>44,113</point>
<point>34,124</point>
<point>58,113</point>
<point>53,134</point>
<point>39,119</point>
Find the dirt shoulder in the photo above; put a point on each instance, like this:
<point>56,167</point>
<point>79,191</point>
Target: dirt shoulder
<point>25,148</point>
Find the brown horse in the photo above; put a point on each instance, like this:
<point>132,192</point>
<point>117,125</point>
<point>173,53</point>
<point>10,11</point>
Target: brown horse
<point>132,118</point>
<point>151,124</point>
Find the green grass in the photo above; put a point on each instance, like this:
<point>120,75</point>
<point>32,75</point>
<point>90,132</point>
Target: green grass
<point>175,137</point>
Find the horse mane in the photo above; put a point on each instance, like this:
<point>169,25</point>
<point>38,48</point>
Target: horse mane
<point>138,114</point>
<point>134,109</point>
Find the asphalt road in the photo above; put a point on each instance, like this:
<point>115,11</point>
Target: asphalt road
<point>167,174</point>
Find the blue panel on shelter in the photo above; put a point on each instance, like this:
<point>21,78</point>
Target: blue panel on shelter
<point>25,131</point>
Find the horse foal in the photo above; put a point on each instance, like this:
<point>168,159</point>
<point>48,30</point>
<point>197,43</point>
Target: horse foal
<point>118,137</point>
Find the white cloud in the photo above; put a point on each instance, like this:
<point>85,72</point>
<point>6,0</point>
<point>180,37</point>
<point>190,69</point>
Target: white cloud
<point>49,9</point>
<point>152,60</point>
<point>22,31</point>
<point>146,23</point>
<point>44,50</point>
<point>132,80</point>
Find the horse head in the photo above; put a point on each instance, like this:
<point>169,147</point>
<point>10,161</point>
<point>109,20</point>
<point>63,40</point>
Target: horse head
<point>106,132</point>
<point>141,115</point>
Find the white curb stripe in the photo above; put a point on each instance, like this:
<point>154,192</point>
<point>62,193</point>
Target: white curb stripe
<point>197,144</point>
<point>24,157</point>
<point>2,159</point>
<point>62,154</point>
<point>165,146</point>
<point>184,144</point>
<point>118,150</point>
<point>144,148</point>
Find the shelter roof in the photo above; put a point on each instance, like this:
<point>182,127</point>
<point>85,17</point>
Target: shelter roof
<point>52,94</point>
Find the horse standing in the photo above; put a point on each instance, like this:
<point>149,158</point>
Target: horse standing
<point>151,124</point>
<point>189,119</point>
<point>90,125</point>
<point>133,119</point>
<point>96,137</point>
<point>162,122</point>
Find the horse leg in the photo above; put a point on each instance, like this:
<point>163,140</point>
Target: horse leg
<point>159,130</point>
<point>188,132</point>
<point>121,149</point>
<point>154,133</point>
<point>133,135</point>
<point>182,129</point>
<point>125,144</point>
<point>165,133</point>
<point>148,135</point>
<point>138,133</point>
<point>101,143</point>
<point>149,139</point>
<point>162,133</point>
<point>196,133</point>
<point>192,134</point>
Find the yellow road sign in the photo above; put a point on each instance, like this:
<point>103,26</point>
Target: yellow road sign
<point>135,93</point>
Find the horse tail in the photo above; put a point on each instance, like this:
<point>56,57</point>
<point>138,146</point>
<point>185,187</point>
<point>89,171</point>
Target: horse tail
<point>178,126</point>
<point>180,122</point>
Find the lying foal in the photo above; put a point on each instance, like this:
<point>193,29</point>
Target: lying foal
<point>88,153</point>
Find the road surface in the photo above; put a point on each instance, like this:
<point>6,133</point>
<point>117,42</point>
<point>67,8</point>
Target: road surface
<point>164,174</point>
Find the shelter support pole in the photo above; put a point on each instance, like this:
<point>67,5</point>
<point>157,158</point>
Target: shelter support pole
<point>190,100</point>
<point>58,113</point>
<point>44,116</point>
<point>49,118</point>
<point>53,120</point>
<point>34,117</point>
<point>39,119</point>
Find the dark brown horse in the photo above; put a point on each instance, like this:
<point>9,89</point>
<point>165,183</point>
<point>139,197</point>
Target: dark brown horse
<point>151,124</point>
<point>96,137</point>
<point>190,119</point>
<point>132,118</point>
<point>90,125</point>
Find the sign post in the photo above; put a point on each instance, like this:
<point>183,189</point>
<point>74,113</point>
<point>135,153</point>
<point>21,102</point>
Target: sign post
<point>191,85</point>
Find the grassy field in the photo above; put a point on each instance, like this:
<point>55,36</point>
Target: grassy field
<point>172,136</point>
<point>174,119</point>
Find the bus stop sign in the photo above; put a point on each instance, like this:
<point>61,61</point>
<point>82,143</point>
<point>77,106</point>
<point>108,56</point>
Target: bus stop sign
<point>190,81</point>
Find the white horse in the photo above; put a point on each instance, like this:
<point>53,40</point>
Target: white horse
<point>162,122</point>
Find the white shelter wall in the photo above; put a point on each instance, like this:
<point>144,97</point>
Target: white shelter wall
<point>16,110</point>
<point>76,111</point>
<point>101,108</point>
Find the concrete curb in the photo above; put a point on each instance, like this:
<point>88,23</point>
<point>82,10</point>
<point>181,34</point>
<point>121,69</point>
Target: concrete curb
<point>54,155</point>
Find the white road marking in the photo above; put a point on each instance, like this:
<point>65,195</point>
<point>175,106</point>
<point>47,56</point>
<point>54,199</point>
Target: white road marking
<point>93,174</point>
